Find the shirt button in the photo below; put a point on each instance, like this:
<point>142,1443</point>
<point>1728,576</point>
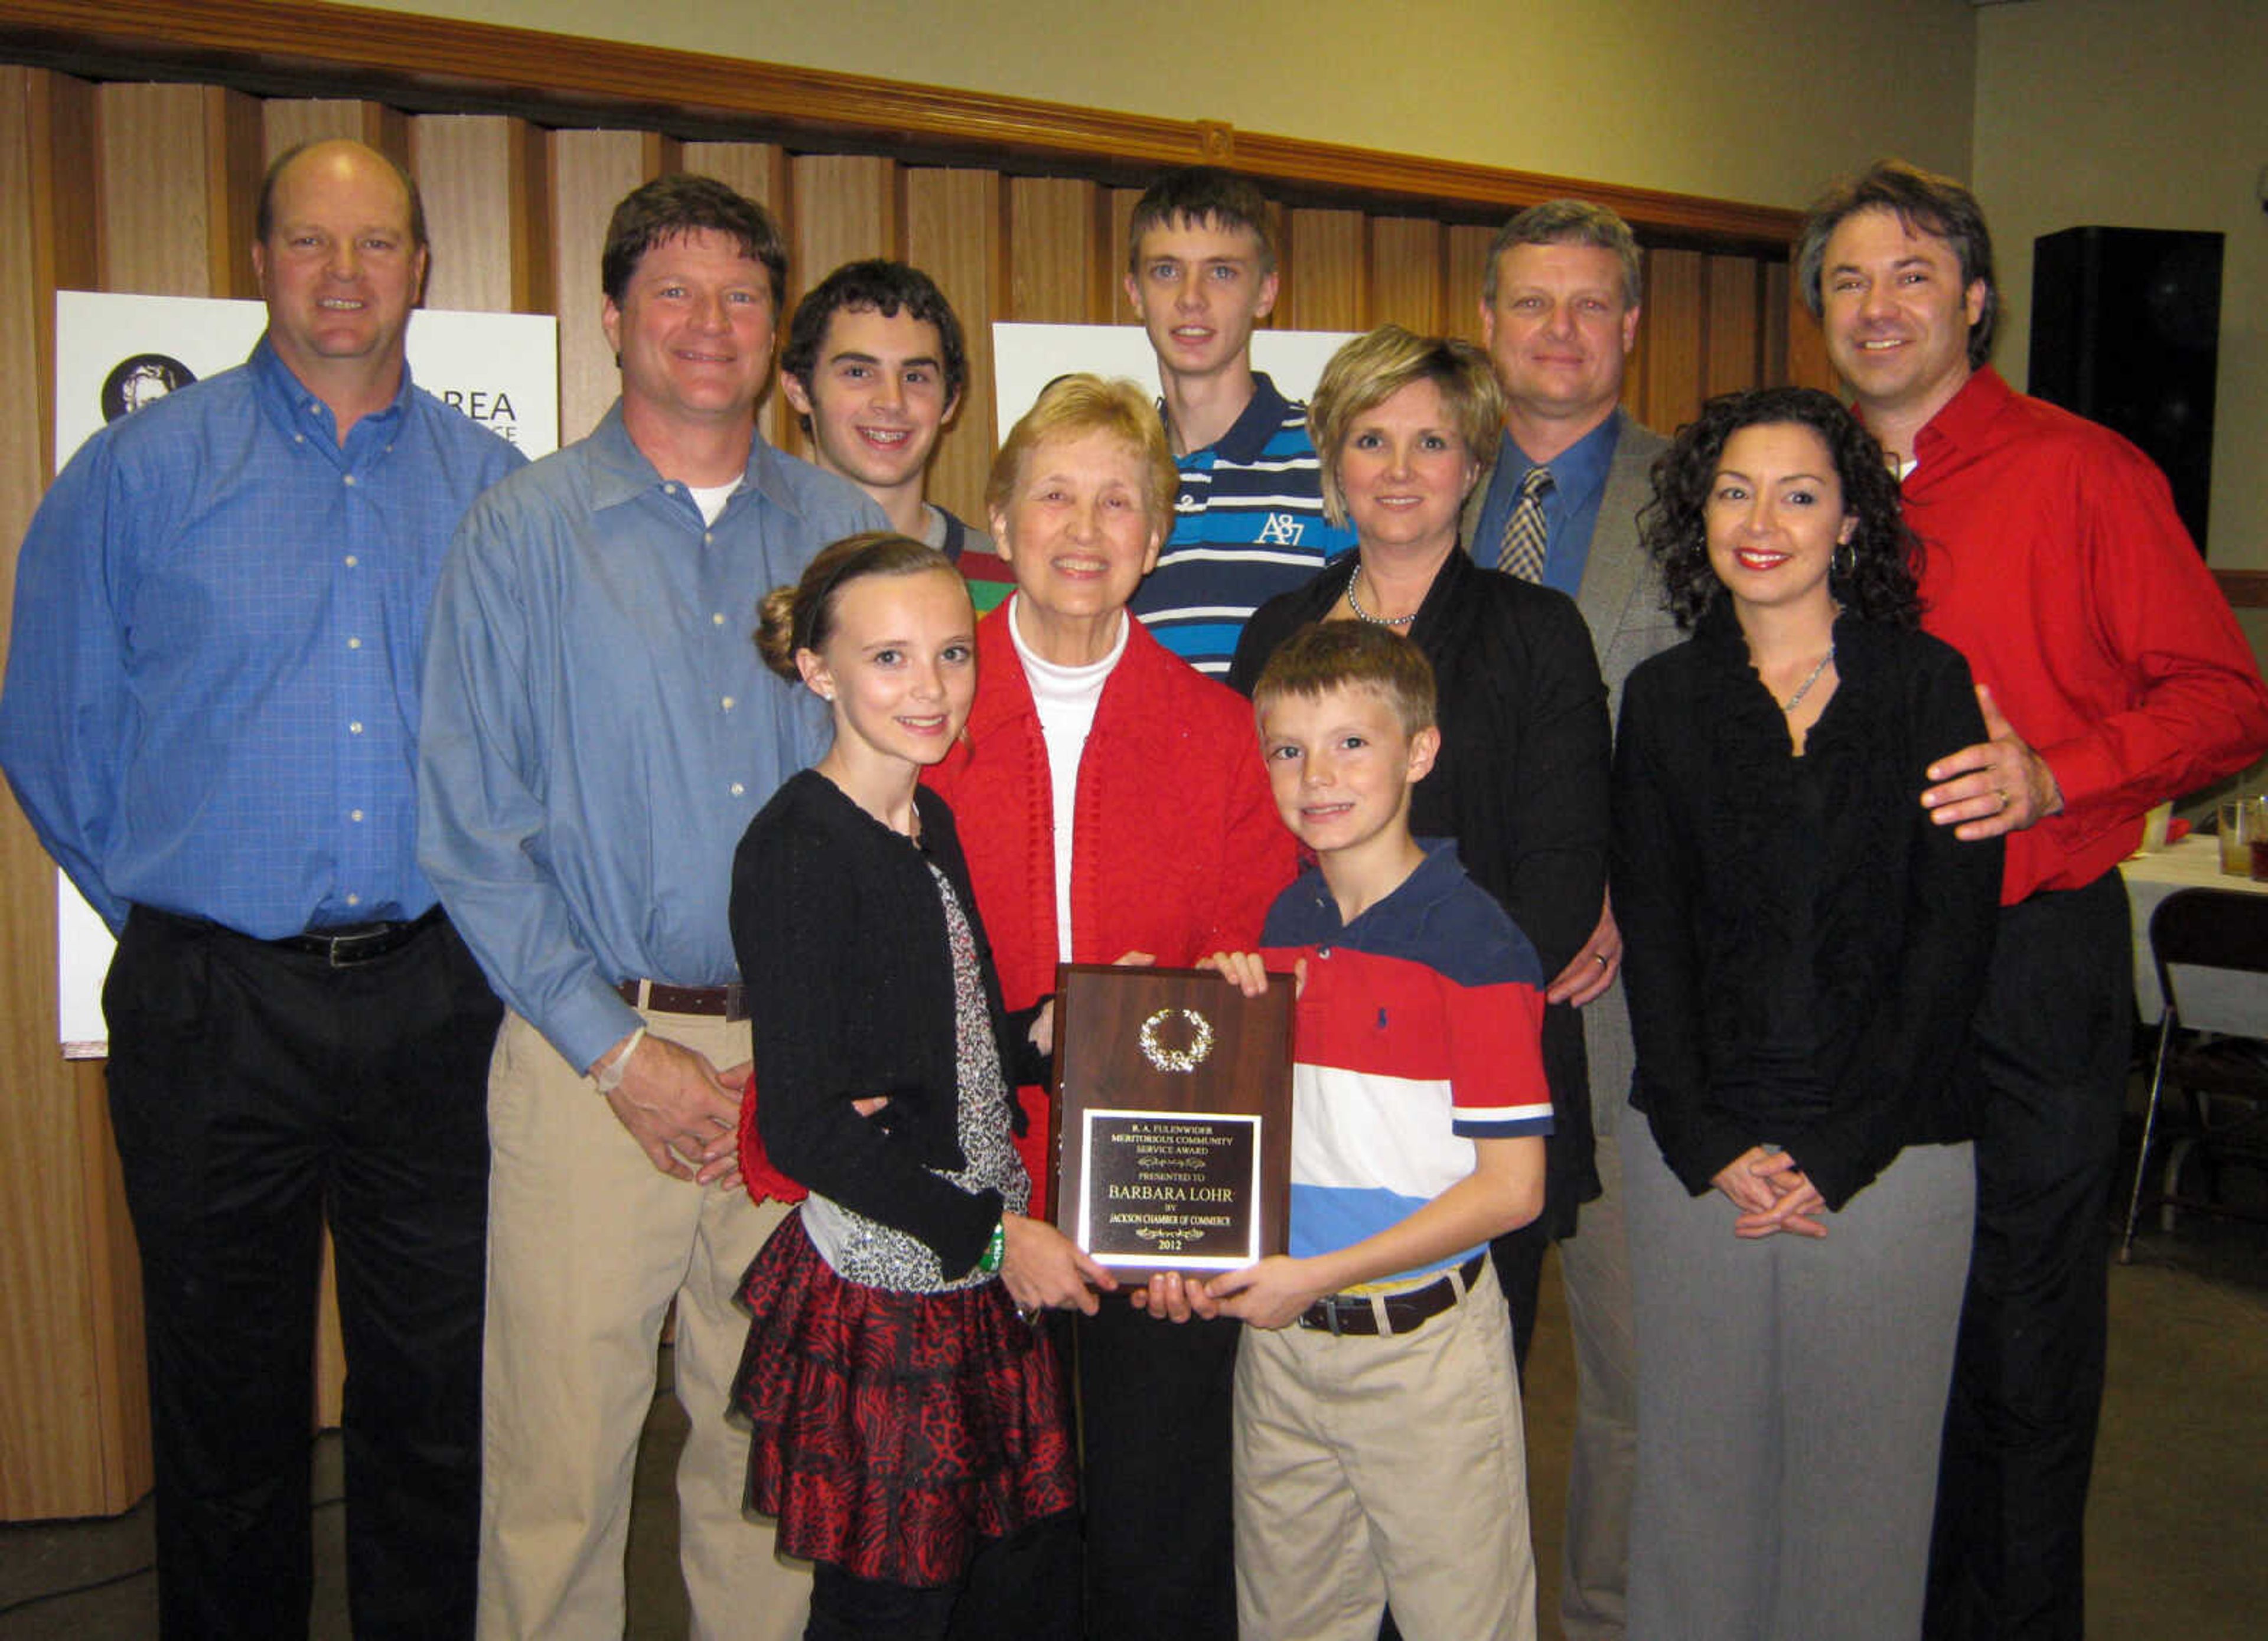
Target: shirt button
<point>354,814</point>
<point>354,900</point>
<point>351,478</point>
<point>298,439</point>
<point>354,643</point>
<point>739,790</point>
<point>728,703</point>
<point>352,561</point>
<point>717,618</point>
<point>354,728</point>
<point>669,488</point>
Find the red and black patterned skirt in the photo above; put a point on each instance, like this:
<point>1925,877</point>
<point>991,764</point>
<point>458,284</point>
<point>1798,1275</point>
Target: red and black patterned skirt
<point>894,1431</point>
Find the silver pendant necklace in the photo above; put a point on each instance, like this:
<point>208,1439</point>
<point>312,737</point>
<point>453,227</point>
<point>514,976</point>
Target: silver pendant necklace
<point>1802,690</point>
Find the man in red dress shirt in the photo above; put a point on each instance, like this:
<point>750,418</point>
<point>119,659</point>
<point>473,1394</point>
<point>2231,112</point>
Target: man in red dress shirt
<point>2112,676</point>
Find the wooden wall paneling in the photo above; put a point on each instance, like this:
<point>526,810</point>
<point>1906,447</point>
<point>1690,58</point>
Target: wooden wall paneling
<point>74,1410</point>
<point>843,207</point>
<point>1326,268</point>
<point>1808,363</point>
<point>1732,326</point>
<point>954,232</point>
<point>1120,203</point>
<point>179,169</point>
<point>761,171</point>
<point>1464,265</point>
<point>1669,364</point>
<point>287,121</point>
<point>487,212</point>
<point>589,172</point>
<point>1058,236</point>
<point>1409,275</point>
<point>1771,324</point>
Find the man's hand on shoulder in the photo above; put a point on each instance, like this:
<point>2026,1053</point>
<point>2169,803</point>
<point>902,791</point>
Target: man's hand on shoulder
<point>1997,786</point>
<point>681,1111</point>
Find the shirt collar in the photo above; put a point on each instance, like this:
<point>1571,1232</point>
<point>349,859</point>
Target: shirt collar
<point>297,407</point>
<point>1578,472</point>
<point>1247,436</point>
<point>621,471</point>
<point>1963,419</point>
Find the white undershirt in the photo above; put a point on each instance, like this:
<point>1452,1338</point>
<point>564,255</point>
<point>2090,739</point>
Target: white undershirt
<point>711,498</point>
<point>1065,697</point>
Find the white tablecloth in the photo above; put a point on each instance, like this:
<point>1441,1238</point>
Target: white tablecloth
<point>2212,999</point>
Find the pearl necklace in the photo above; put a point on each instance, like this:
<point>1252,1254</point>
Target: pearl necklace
<point>1360,614</point>
<point>1803,688</point>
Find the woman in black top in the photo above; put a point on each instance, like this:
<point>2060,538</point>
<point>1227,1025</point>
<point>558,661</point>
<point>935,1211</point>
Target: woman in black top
<point>1801,951</point>
<point>1405,426</point>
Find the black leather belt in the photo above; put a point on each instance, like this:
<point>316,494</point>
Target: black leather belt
<point>348,945</point>
<point>1359,1313</point>
<point>721,1002</point>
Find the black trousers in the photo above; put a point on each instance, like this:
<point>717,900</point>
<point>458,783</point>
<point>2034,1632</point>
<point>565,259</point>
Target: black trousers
<point>1020,1588</point>
<point>2054,1031</point>
<point>1156,1407</point>
<point>255,1093</point>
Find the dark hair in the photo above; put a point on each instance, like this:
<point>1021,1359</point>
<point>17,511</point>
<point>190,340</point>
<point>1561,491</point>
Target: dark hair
<point>670,206</point>
<point>883,287</point>
<point>1200,193</point>
<point>1568,222</point>
<point>1329,655</point>
<point>1872,578</point>
<point>802,617</point>
<point>1924,202</point>
<point>263,214</point>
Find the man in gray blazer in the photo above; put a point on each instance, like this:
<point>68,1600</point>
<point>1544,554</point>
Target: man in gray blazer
<point>1559,311</point>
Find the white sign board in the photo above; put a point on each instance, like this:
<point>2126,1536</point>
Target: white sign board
<point>1027,358</point>
<point>114,354</point>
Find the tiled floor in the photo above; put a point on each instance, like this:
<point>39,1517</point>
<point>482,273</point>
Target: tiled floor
<point>2180,1482</point>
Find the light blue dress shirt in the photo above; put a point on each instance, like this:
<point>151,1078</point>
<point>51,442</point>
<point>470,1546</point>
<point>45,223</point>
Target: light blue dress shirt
<point>599,727</point>
<point>211,700</point>
<point>1571,507</point>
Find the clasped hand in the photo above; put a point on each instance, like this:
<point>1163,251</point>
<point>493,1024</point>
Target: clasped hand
<point>1771,1194</point>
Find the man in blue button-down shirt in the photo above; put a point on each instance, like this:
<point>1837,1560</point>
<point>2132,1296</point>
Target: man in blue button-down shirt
<point>599,732</point>
<point>210,718</point>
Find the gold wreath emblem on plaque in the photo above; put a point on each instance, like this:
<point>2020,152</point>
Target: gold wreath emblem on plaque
<point>1166,1059</point>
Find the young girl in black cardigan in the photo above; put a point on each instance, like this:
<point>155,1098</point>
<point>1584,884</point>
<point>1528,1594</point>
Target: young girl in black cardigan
<point>911,1430</point>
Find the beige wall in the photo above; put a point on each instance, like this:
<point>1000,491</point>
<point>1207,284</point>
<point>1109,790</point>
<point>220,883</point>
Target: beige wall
<point>2141,113</point>
<point>1750,99</point>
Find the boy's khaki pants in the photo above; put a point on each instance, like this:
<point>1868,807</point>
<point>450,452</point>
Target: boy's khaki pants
<point>1376,1469</point>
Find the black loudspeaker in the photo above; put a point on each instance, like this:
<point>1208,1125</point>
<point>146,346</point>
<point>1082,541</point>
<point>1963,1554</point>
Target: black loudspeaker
<point>2126,332</point>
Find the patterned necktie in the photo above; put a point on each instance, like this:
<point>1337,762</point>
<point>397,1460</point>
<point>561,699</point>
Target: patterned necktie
<point>1521,552</point>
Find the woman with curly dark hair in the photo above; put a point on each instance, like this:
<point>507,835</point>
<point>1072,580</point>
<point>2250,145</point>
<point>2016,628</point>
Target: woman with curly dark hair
<point>1802,950</point>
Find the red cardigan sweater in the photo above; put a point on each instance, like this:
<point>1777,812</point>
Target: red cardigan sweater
<point>1178,850</point>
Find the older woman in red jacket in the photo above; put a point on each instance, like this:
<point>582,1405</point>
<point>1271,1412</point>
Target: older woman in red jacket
<point>1113,805</point>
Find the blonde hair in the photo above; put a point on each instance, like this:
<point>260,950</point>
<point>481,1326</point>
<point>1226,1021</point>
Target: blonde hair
<point>1072,407</point>
<point>802,616</point>
<point>1372,369</point>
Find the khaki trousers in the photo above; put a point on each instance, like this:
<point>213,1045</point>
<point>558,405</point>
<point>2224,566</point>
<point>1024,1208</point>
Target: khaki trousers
<point>588,1245</point>
<point>1371,1469</point>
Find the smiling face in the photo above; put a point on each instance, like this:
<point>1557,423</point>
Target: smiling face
<point>1559,332</point>
<point>1341,767</point>
<point>1404,471</point>
<point>1200,290</point>
<point>1774,518</point>
<point>1897,315</point>
<point>693,332</point>
<point>1079,534</point>
<point>338,270</point>
<point>900,668</point>
<point>876,397</point>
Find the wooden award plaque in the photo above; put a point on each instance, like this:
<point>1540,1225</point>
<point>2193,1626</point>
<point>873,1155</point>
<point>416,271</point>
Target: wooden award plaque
<point>1172,1118</point>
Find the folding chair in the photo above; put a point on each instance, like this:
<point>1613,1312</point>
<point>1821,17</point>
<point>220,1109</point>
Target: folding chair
<point>2205,928</point>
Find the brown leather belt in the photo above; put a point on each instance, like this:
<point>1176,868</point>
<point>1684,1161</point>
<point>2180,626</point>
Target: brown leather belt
<point>719,1001</point>
<point>1359,1313</point>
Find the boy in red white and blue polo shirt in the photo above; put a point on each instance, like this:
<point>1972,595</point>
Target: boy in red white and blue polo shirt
<point>1379,1450</point>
